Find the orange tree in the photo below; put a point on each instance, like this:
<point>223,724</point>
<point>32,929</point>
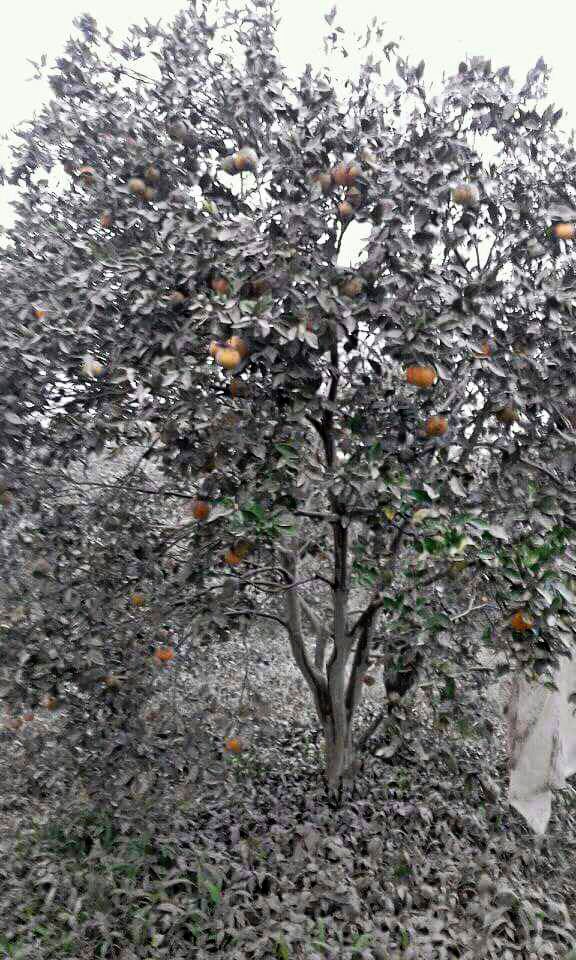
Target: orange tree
<point>314,445</point>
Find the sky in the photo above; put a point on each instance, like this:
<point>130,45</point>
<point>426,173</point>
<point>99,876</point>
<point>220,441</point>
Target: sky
<point>513,32</point>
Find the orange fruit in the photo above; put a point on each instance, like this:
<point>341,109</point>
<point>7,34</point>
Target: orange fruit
<point>353,286</point>
<point>106,219</point>
<point>436,426</point>
<point>228,358</point>
<point>152,174</point>
<point>238,389</point>
<point>345,210</point>
<point>324,181</point>
<point>177,130</point>
<point>344,174</point>
<point>233,745</point>
<point>423,377</point>
<point>49,702</point>
<point>507,414</point>
<point>236,554</point>
<point>164,654</point>
<point>259,286</point>
<point>137,186</point>
<point>465,194</point>
<point>246,159</point>
<point>200,509</point>
<point>137,599</point>
<point>521,622</point>
<point>87,175</point>
<point>237,343</point>
<point>220,286</point>
<point>92,368</point>
<point>39,313</point>
<point>354,197</point>
<point>564,231</point>
<point>229,165</point>
<point>176,297</point>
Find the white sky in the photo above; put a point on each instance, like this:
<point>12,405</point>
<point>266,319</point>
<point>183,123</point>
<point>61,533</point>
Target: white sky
<point>514,32</point>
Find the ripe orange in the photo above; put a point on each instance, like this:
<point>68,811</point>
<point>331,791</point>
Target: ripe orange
<point>344,174</point>
<point>92,368</point>
<point>152,174</point>
<point>353,286</point>
<point>228,358</point>
<point>49,702</point>
<point>177,130</point>
<point>259,286</point>
<point>423,377</point>
<point>236,554</point>
<point>137,599</point>
<point>345,210</point>
<point>466,194</point>
<point>436,426</point>
<point>229,166</point>
<point>232,558</point>
<point>200,509</point>
<point>238,389</point>
<point>164,654</point>
<point>521,622</point>
<point>176,297</point>
<point>507,414</point>
<point>324,181</point>
<point>354,197</point>
<point>233,745</point>
<point>87,175</point>
<point>220,286</point>
<point>354,171</point>
<point>564,231</point>
<point>237,343</point>
<point>137,186</point>
<point>39,313</point>
<point>246,159</point>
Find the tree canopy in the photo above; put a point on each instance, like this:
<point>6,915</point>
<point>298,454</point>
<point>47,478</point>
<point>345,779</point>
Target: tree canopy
<point>294,435</point>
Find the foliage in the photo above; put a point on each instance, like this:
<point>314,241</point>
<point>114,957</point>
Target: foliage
<point>424,863</point>
<point>324,484</point>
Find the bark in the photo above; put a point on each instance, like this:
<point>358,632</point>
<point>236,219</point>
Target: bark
<point>339,755</point>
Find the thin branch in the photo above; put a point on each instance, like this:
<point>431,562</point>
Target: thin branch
<point>470,609</point>
<point>371,730</point>
<point>328,517</point>
<point>255,613</point>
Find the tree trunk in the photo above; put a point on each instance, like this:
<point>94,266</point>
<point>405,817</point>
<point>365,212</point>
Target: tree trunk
<point>339,756</point>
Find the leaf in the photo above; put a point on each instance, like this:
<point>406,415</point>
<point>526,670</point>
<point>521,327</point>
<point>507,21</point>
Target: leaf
<point>456,487</point>
<point>12,418</point>
<point>496,531</point>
